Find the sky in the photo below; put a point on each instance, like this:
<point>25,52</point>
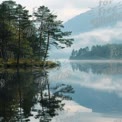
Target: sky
<point>65,9</point>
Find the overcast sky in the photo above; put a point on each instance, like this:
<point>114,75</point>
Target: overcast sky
<point>65,9</point>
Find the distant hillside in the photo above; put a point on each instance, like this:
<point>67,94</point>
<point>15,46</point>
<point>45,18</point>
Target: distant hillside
<point>91,20</point>
<point>110,51</point>
<point>88,30</point>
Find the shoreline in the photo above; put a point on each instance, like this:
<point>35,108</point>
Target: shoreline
<point>25,64</point>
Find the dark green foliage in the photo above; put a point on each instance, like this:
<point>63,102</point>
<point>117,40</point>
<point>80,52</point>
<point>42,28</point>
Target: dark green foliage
<point>21,38</point>
<point>23,96</point>
<point>50,31</point>
<point>109,51</point>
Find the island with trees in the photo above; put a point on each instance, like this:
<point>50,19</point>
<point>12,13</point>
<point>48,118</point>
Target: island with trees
<point>26,39</point>
<point>98,52</point>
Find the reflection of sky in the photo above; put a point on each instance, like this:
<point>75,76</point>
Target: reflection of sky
<point>103,82</point>
<point>82,117</point>
<point>77,113</point>
<point>101,92</point>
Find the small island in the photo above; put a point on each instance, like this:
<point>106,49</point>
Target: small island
<point>98,52</point>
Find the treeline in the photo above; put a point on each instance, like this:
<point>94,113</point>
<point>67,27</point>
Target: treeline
<point>29,36</point>
<point>109,51</point>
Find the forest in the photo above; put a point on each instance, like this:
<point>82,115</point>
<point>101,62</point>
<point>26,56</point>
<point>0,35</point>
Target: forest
<point>108,51</point>
<point>25,36</point>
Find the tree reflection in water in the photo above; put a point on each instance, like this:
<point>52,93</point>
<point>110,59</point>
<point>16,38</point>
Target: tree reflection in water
<point>25,94</point>
<point>98,67</point>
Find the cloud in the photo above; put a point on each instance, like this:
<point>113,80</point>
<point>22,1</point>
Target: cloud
<point>95,37</point>
<point>67,9</point>
<point>74,4</point>
<point>99,36</point>
<point>64,9</point>
<point>67,13</point>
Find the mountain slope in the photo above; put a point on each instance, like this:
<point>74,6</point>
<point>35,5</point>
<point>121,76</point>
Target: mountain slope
<point>90,29</point>
<point>92,20</point>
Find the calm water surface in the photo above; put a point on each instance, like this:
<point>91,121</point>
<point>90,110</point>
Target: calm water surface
<point>77,91</point>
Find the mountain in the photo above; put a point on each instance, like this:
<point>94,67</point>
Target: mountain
<point>91,20</point>
<point>80,23</point>
<point>92,28</point>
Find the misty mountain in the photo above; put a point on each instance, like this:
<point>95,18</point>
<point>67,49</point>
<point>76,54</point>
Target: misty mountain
<point>93,27</point>
<point>94,19</point>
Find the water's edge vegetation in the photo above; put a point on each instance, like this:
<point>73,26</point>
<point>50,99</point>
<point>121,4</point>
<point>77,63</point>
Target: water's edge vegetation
<point>27,63</point>
<point>26,39</point>
<point>98,52</point>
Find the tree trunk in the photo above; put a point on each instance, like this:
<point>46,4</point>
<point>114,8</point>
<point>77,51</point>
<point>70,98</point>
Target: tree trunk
<point>18,54</point>
<point>47,47</point>
<point>40,44</point>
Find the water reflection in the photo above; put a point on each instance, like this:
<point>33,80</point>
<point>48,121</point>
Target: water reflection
<point>29,96</point>
<point>99,85</point>
<point>39,95</point>
<point>98,68</point>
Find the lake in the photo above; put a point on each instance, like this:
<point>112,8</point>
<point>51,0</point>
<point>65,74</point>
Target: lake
<point>77,91</point>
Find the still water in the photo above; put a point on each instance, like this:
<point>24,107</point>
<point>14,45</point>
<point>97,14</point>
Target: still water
<point>77,91</point>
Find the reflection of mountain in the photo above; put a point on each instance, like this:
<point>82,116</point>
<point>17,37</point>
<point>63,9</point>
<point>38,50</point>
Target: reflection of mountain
<point>98,101</point>
<point>98,68</point>
<point>98,86</point>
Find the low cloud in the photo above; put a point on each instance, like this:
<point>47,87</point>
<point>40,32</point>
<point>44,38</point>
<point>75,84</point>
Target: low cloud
<point>96,37</point>
<point>99,36</point>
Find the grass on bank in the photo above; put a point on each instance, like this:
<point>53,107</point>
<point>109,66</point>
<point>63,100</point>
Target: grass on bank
<point>26,63</point>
